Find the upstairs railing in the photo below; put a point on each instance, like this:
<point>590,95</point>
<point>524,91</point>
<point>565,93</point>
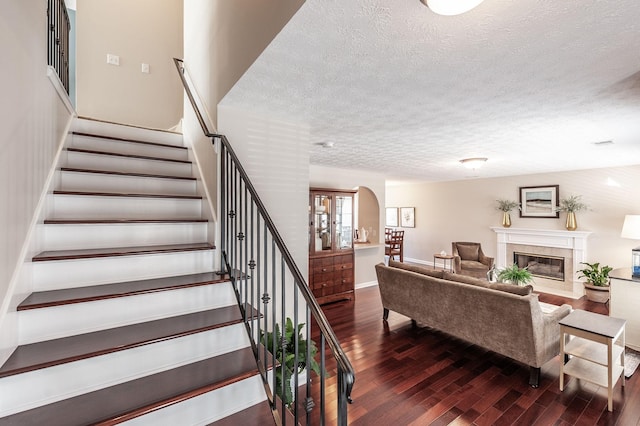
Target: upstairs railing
<point>278,307</point>
<point>58,25</point>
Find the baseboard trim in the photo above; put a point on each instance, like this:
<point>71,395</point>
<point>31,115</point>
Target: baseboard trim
<point>366,284</point>
<point>419,261</point>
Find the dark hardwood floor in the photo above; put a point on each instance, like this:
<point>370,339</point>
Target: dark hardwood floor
<point>414,375</point>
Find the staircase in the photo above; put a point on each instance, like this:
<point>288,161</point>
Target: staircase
<point>128,322</point>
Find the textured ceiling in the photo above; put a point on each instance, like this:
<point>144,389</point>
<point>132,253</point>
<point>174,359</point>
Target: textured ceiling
<point>529,84</point>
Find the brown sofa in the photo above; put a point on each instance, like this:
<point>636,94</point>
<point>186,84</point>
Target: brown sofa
<point>468,259</point>
<point>503,318</point>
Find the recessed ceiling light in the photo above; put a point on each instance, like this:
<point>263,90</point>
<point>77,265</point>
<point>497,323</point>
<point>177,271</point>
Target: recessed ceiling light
<point>601,143</point>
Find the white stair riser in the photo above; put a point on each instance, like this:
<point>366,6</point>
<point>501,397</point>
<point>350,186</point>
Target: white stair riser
<point>40,387</point>
<point>124,147</point>
<point>83,160</point>
<point>127,132</point>
<point>37,325</point>
<point>90,236</point>
<point>100,182</point>
<point>54,275</point>
<point>101,207</point>
<point>207,408</point>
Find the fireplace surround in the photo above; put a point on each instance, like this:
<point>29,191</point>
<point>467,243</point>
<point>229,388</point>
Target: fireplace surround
<point>570,245</point>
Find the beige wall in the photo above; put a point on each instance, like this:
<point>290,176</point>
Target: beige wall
<point>138,31</point>
<point>34,122</point>
<point>223,38</point>
<point>464,211</point>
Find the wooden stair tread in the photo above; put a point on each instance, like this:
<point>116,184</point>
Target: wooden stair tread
<point>118,154</point>
<point>258,414</point>
<point>114,138</point>
<point>124,194</point>
<point>141,396</point>
<point>113,172</point>
<point>73,348</point>
<point>117,221</point>
<point>119,251</point>
<point>44,299</point>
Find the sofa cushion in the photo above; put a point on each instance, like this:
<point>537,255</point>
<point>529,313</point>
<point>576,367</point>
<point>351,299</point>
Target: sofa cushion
<point>464,279</point>
<point>436,273</point>
<point>468,252</point>
<point>472,265</point>
<point>511,288</point>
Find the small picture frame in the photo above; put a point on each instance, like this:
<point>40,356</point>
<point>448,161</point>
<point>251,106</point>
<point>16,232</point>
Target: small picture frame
<point>539,201</point>
<point>391,216</point>
<point>408,217</point>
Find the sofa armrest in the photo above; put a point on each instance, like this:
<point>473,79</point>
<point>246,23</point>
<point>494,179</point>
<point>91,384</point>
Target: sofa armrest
<point>457,264</point>
<point>557,314</point>
<point>485,260</point>
<point>548,344</point>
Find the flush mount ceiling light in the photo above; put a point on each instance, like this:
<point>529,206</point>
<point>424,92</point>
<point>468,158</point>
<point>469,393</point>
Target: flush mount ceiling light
<point>473,163</point>
<point>450,7</point>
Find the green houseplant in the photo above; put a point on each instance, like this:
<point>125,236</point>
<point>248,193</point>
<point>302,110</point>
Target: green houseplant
<point>506,206</point>
<point>597,286</point>
<point>287,341</point>
<point>515,275</point>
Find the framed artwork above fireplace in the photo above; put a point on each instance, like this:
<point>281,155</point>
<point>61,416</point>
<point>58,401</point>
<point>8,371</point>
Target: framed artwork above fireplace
<point>539,201</point>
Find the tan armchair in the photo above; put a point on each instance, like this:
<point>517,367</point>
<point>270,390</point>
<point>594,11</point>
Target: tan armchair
<point>470,260</point>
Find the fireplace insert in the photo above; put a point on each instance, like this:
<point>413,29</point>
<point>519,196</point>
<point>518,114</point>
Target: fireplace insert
<point>551,267</point>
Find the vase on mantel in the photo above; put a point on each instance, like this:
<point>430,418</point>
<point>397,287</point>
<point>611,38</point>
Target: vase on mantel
<point>506,219</point>
<point>571,224</point>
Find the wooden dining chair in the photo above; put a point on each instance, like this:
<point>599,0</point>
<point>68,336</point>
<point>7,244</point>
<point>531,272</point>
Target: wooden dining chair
<point>394,245</point>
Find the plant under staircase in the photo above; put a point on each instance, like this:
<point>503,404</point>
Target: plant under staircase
<point>128,321</point>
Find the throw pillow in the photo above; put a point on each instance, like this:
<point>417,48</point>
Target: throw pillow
<point>468,252</point>
<point>436,273</point>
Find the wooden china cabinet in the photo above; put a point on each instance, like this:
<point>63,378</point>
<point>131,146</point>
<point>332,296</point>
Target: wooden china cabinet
<point>331,276</point>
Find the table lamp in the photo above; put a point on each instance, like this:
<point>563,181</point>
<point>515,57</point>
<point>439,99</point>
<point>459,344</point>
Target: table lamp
<point>631,229</point>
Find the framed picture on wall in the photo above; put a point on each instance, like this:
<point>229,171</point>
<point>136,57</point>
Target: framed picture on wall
<point>539,201</point>
<point>408,217</point>
<point>391,216</point>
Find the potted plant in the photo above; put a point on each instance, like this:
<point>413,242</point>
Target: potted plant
<point>506,206</point>
<point>597,286</point>
<point>572,205</point>
<point>287,341</point>
<point>515,275</point>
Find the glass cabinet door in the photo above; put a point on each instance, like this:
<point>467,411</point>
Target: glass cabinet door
<point>344,220</point>
<point>322,225</point>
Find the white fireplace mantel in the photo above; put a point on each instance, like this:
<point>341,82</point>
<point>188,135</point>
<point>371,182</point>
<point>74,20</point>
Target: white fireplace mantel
<point>576,241</point>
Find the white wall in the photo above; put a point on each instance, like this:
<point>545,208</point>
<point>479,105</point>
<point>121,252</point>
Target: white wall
<point>331,177</point>
<point>275,155</point>
<point>464,211</point>
<point>34,123</point>
<point>221,40</point>
<point>138,31</point>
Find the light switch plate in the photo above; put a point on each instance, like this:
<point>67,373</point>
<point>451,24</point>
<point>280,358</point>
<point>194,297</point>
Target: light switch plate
<point>113,59</point>
<point>145,68</point>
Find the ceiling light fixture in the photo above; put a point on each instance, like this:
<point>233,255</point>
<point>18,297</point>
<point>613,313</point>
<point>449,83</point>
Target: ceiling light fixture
<point>451,7</point>
<point>473,163</point>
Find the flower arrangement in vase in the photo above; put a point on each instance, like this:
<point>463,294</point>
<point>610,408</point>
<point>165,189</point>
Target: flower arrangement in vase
<point>506,206</point>
<point>572,205</point>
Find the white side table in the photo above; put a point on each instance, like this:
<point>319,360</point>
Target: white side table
<point>596,345</point>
